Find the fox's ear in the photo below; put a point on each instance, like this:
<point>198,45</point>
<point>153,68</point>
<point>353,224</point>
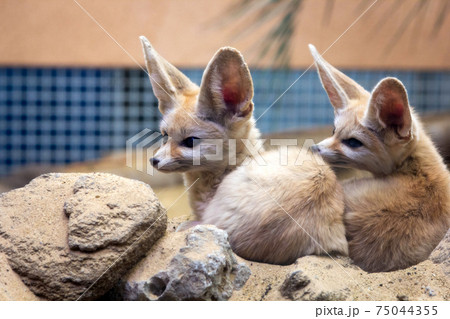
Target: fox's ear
<point>339,87</point>
<point>226,91</point>
<point>389,107</point>
<point>167,81</point>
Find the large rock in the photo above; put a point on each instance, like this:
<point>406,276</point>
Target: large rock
<point>72,236</point>
<point>441,254</point>
<point>196,264</point>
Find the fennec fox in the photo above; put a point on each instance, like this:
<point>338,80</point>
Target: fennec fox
<point>395,219</point>
<point>249,201</point>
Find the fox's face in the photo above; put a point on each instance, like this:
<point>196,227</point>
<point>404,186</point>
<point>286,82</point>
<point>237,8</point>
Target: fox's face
<point>183,133</point>
<point>198,122</point>
<point>372,131</point>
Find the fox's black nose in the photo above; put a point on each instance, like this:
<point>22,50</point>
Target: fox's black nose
<point>315,148</point>
<point>154,161</point>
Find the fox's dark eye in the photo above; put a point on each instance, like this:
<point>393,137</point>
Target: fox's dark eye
<point>165,137</point>
<point>189,142</point>
<point>334,130</point>
<point>352,142</point>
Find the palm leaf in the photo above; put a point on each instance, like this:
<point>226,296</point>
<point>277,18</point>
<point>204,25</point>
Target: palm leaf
<point>277,42</point>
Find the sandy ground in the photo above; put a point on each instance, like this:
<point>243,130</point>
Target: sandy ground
<point>331,278</point>
<point>175,200</point>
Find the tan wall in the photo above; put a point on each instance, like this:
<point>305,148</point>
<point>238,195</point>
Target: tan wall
<point>58,32</point>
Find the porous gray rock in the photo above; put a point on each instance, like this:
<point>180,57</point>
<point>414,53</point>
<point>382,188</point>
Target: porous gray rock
<point>197,264</point>
<point>72,236</point>
<point>294,282</point>
<point>299,286</point>
<point>441,254</point>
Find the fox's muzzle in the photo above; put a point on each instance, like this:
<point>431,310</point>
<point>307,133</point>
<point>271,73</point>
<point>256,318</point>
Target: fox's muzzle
<point>154,161</point>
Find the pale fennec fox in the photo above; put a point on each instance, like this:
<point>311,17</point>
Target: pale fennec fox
<point>395,219</point>
<point>262,207</point>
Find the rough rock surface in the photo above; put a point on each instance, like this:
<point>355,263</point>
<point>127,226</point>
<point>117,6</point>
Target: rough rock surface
<point>74,235</point>
<point>11,286</point>
<point>196,264</point>
<point>441,254</point>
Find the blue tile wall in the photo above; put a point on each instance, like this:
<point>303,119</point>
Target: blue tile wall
<point>63,115</point>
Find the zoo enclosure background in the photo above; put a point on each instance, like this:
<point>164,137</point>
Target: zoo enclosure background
<point>69,93</point>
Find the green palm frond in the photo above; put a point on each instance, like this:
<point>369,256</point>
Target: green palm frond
<point>255,14</point>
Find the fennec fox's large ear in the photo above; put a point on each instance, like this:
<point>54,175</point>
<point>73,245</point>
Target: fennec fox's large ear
<point>167,81</point>
<point>339,87</point>
<point>226,91</point>
<point>389,107</point>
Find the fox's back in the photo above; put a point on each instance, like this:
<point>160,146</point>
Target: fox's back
<point>396,221</point>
